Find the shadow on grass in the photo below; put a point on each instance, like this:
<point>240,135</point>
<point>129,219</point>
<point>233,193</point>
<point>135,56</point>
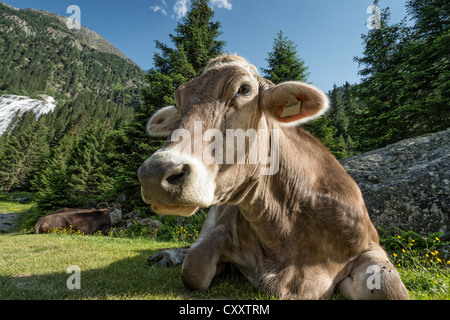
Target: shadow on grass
<point>130,278</point>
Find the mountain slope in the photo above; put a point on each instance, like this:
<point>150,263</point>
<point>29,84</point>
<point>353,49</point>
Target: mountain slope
<point>39,54</point>
<point>83,36</point>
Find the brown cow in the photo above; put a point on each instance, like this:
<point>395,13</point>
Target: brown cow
<point>88,221</point>
<point>293,222</point>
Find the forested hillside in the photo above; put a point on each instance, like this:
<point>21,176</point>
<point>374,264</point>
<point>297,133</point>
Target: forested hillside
<point>96,88</point>
<point>39,54</point>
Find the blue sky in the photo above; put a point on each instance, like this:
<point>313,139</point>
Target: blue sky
<point>327,32</point>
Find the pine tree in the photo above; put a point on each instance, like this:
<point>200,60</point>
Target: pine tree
<point>379,122</point>
<point>50,184</point>
<point>432,17</point>
<point>197,35</point>
<point>406,88</point>
<point>22,152</point>
<point>284,62</point>
<point>88,173</point>
<point>428,67</point>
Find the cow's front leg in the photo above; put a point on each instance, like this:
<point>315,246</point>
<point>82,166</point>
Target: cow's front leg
<point>203,262</point>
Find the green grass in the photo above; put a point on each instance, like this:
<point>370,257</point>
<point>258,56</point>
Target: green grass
<point>7,205</point>
<point>424,269</point>
<point>34,267</point>
<point>115,267</point>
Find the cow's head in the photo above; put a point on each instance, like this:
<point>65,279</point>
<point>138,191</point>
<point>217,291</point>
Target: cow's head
<point>199,165</point>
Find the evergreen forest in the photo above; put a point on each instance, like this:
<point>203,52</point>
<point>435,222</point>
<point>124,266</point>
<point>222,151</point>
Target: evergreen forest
<point>89,148</point>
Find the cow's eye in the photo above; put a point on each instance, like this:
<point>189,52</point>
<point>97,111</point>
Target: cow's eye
<point>245,90</point>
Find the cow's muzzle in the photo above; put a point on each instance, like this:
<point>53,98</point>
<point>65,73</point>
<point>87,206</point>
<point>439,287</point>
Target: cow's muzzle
<point>175,184</point>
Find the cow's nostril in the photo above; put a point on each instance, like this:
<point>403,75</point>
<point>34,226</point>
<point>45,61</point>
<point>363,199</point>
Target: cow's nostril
<point>176,176</point>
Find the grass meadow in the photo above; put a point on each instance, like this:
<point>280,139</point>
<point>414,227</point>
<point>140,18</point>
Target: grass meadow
<point>34,267</point>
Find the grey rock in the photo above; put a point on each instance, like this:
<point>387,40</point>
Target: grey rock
<point>151,223</point>
<point>406,185</point>
<point>133,215</point>
<point>7,220</point>
<point>116,216</point>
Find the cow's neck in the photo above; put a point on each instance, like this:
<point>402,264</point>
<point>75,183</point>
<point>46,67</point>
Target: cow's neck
<point>272,205</point>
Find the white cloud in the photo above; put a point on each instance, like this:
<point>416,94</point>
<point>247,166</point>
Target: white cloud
<point>181,7</point>
<point>158,8</point>
<point>162,8</point>
<point>222,4</point>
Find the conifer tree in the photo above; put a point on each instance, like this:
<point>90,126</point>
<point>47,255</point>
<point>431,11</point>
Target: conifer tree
<point>284,63</point>
<point>22,152</point>
<point>406,85</point>
<point>88,173</point>
<point>378,123</point>
<point>51,183</point>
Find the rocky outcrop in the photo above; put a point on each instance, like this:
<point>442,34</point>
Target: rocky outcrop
<point>407,185</point>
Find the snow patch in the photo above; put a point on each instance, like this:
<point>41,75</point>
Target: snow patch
<point>10,104</point>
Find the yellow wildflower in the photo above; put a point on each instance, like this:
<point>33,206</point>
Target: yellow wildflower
<point>394,254</point>
<point>403,250</point>
<point>437,238</point>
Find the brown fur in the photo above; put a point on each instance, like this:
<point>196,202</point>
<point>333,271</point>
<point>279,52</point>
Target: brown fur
<point>88,221</point>
<point>300,233</point>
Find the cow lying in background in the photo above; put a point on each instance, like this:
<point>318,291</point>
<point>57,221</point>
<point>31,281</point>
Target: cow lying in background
<point>88,221</point>
<point>300,230</point>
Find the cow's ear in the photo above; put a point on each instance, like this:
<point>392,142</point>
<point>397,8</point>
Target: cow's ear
<point>292,103</point>
<point>162,122</point>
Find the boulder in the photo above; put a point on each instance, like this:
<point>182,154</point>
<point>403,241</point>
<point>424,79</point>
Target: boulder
<point>406,185</point>
<point>115,215</point>
<point>7,220</point>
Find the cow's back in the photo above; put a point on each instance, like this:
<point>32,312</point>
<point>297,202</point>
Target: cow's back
<point>87,221</point>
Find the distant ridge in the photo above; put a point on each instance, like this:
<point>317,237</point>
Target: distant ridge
<point>40,54</point>
<point>84,35</point>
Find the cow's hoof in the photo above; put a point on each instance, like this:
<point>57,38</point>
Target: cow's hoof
<point>168,258</point>
<point>159,260</point>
